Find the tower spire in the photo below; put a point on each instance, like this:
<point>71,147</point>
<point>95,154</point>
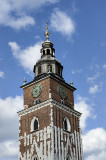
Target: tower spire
<point>47,33</point>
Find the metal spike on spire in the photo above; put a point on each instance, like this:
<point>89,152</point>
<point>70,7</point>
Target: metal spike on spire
<point>47,33</point>
<point>24,81</point>
<point>71,83</point>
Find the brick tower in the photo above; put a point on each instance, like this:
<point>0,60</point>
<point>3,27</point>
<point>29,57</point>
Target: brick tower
<point>49,124</point>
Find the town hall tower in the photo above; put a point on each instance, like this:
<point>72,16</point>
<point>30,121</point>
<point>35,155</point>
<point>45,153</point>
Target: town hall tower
<point>49,125</point>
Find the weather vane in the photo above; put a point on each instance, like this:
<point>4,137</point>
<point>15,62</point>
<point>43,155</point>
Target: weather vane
<point>47,33</point>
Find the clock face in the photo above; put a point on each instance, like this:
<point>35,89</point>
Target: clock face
<point>62,92</point>
<point>36,91</point>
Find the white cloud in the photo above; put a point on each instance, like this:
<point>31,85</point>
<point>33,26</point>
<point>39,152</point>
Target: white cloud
<point>96,88</point>
<point>86,110</point>
<point>1,74</point>
<point>9,126</point>
<point>104,66</point>
<point>9,150</point>
<point>16,14</point>
<point>93,78</point>
<point>10,104</point>
<point>62,23</point>
<point>94,144</point>
<point>93,89</point>
<point>27,57</point>
<point>21,22</point>
<point>77,71</point>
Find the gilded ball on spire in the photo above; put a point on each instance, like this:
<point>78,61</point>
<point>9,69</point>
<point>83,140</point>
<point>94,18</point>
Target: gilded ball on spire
<point>46,27</point>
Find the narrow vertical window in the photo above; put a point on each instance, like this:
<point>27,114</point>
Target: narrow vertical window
<point>59,70</point>
<point>35,124</point>
<point>43,52</point>
<point>48,51</point>
<point>65,124</point>
<point>39,69</point>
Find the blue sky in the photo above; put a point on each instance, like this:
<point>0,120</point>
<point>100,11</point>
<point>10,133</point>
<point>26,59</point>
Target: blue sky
<point>78,31</point>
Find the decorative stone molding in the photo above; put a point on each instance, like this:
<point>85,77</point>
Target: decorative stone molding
<point>46,103</point>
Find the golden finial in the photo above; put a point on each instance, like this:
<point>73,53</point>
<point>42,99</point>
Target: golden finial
<point>71,83</point>
<point>47,33</point>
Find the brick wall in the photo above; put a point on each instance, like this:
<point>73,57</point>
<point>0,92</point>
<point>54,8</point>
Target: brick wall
<point>48,85</point>
<point>59,116</point>
<point>43,116</point>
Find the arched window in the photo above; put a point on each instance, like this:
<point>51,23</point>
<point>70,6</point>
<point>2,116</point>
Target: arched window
<point>39,69</point>
<point>35,157</point>
<point>43,52</point>
<point>34,124</point>
<point>66,124</point>
<point>48,51</point>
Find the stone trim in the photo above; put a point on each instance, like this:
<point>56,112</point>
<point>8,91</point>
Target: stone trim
<point>49,102</point>
<point>49,76</point>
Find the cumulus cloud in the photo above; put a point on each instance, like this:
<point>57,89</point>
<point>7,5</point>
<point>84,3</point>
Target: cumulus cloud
<point>61,22</point>
<point>9,150</point>
<point>16,14</point>
<point>9,127</point>
<point>94,144</point>
<point>93,89</point>
<point>82,106</point>
<point>21,22</point>
<point>1,74</point>
<point>26,57</point>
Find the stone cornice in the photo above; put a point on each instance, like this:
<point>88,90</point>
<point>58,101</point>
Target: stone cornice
<point>34,82</point>
<point>46,103</point>
<point>66,108</point>
<point>60,80</point>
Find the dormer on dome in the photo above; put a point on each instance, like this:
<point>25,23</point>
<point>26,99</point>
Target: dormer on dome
<point>48,63</point>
